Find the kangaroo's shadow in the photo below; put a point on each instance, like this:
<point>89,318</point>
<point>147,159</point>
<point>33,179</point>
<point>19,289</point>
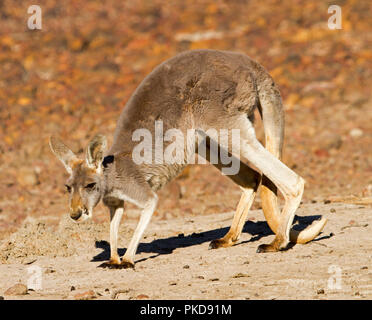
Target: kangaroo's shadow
<point>257,230</point>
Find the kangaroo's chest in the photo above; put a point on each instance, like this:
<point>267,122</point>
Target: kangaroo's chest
<point>159,175</point>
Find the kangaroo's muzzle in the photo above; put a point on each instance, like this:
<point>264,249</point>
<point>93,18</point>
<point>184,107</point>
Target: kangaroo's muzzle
<point>77,214</point>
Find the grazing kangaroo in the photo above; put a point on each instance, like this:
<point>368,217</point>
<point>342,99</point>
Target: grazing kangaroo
<point>199,89</point>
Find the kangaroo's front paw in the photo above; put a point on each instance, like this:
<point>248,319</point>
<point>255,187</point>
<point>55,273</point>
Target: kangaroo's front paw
<point>111,264</point>
<point>221,243</point>
<point>266,248</point>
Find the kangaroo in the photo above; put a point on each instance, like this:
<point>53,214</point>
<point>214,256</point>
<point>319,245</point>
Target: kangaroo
<point>198,89</point>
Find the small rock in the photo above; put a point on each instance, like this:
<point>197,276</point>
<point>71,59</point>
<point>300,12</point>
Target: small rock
<point>364,268</point>
<point>320,291</point>
<point>327,201</point>
<point>1,298</point>
<point>356,133</point>
<point>172,283</point>
<point>200,277</point>
<point>323,153</point>
<point>87,295</point>
<point>72,288</point>
<point>357,293</point>
<point>29,261</point>
<point>214,279</point>
<point>115,294</point>
<point>142,296</point>
<point>241,275</point>
<point>197,235</point>
<point>49,270</point>
<point>333,210</point>
<point>17,290</point>
<point>186,266</point>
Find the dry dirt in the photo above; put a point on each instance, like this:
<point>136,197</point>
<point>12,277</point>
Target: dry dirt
<point>73,78</point>
<point>173,260</point>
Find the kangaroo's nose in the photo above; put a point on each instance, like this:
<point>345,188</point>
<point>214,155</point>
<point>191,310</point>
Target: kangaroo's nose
<point>76,215</point>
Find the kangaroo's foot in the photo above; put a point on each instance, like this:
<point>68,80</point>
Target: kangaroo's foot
<point>113,263</point>
<point>127,264</point>
<point>278,244</point>
<point>232,236</point>
<point>221,243</point>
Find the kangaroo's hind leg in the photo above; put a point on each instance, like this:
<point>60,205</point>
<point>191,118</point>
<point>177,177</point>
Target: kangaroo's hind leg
<point>232,236</point>
<point>287,181</point>
<point>248,180</point>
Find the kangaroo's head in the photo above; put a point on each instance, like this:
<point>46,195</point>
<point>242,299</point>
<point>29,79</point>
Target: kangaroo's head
<point>86,183</point>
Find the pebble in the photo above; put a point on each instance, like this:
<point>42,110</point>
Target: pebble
<point>356,133</point>
<point>320,291</point>
<point>29,261</point>
<point>87,295</point>
<point>142,296</point>
<point>241,275</point>
<point>333,210</point>
<point>49,270</point>
<point>17,290</point>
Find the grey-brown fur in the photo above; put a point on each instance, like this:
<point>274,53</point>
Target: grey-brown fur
<point>196,89</point>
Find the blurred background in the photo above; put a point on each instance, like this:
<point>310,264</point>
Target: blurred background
<point>74,76</point>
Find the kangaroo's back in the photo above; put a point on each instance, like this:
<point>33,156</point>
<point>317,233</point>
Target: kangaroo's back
<point>194,89</point>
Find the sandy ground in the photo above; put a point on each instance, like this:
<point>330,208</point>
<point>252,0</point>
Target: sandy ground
<point>173,260</point>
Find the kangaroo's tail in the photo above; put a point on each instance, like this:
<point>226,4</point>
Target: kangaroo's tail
<point>272,114</point>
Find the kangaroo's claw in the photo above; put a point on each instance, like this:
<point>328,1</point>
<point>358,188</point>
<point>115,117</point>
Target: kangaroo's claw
<point>111,264</point>
<point>221,243</point>
<point>117,265</point>
<point>127,265</point>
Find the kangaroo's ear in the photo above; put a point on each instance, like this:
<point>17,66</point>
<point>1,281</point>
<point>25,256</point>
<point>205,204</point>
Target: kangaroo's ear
<point>95,151</point>
<point>62,152</point>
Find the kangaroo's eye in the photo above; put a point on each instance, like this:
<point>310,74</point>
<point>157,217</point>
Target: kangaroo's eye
<point>68,188</point>
<point>90,186</point>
